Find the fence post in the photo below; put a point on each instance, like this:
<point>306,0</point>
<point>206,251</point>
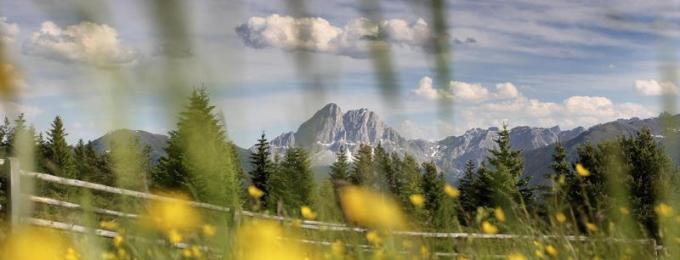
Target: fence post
<point>14,201</point>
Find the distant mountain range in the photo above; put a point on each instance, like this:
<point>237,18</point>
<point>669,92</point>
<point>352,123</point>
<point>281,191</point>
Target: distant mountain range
<point>328,129</point>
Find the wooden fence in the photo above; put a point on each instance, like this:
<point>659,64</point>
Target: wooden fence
<point>20,212</point>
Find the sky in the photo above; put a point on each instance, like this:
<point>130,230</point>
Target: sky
<point>103,65</point>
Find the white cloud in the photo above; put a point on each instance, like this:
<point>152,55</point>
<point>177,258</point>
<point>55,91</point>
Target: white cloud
<point>318,35</point>
<point>465,92</point>
<point>655,88</point>
<point>8,30</point>
<point>86,42</point>
<point>478,106</point>
<point>11,109</point>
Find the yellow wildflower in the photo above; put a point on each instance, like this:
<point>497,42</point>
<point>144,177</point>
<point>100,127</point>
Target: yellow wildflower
<point>551,250</point>
<point>255,192</point>
<point>32,243</point>
<point>208,230</point>
<point>261,239</point>
<point>516,256</point>
<point>499,214</point>
<point>71,254</point>
<point>338,248</point>
<point>591,227</point>
<point>560,217</point>
<point>489,228</point>
<point>174,236</point>
<point>370,208</point>
<point>624,210</point>
<point>582,171</point>
<point>453,192</point>
<point>424,252</point>
<point>196,251</point>
<point>417,200</point>
<point>373,237</point>
<point>186,252</point>
<point>174,214</point>
<point>307,213</point>
<point>663,210</point>
<point>118,240</point>
<point>110,225</point>
<point>108,256</point>
<point>539,253</point>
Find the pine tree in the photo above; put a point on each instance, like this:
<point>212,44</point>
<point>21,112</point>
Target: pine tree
<point>59,157</point>
<point>261,167</point>
<point>299,179</point>
<point>507,167</point>
<point>650,172</point>
<point>278,187</point>
<point>362,174</point>
<point>468,191</point>
<point>90,166</point>
<point>5,132</point>
<point>410,179</point>
<point>385,177</point>
<point>433,191</point>
<point>340,169</point>
<point>198,160</point>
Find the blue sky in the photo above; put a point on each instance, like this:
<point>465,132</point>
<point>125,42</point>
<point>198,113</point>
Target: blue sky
<point>103,65</point>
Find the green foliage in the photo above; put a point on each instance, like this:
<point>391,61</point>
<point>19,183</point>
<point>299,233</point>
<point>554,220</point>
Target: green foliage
<point>278,187</point>
<point>340,169</point>
<point>299,179</point>
<point>90,167</point>
<point>59,157</point>
<point>506,173</point>
<point>261,167</point>
<point>199,160</point>
<point>362,174</point>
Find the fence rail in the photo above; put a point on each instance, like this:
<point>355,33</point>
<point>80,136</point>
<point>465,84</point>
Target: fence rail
<point>16,203</point>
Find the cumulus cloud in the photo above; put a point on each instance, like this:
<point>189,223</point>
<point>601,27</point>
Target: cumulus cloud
<point>655,88</point>
<point>466,92</point>
<point>86,42</point>
<point>8,31</point>
<point>479,106</point>
<point>318,35</point>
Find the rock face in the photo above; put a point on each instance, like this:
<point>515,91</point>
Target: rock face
<point>330,128</point>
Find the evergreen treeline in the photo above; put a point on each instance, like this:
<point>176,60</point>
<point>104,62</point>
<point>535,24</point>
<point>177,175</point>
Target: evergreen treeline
<point>202,162</point>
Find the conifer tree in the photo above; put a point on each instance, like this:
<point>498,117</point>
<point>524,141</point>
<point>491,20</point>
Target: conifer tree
<point>261,167</point>
<point>507,167</point>
<point>362,174</point>
<point>410,179</point>
<point>430,186</point>
<point>650,173</point>
<point>198,160</point>
<point>59,157</point>
<point>385,177</point>
<point>340,169</point>
<point>90,166</point>
<point>468,191</point>
<point>560,166</point>
<point>278,187</point>
<point>299,179</point>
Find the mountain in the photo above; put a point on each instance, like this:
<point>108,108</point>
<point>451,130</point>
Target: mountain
<point>155,141</point>
<point>330,128</point>
<point>537,161</point>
